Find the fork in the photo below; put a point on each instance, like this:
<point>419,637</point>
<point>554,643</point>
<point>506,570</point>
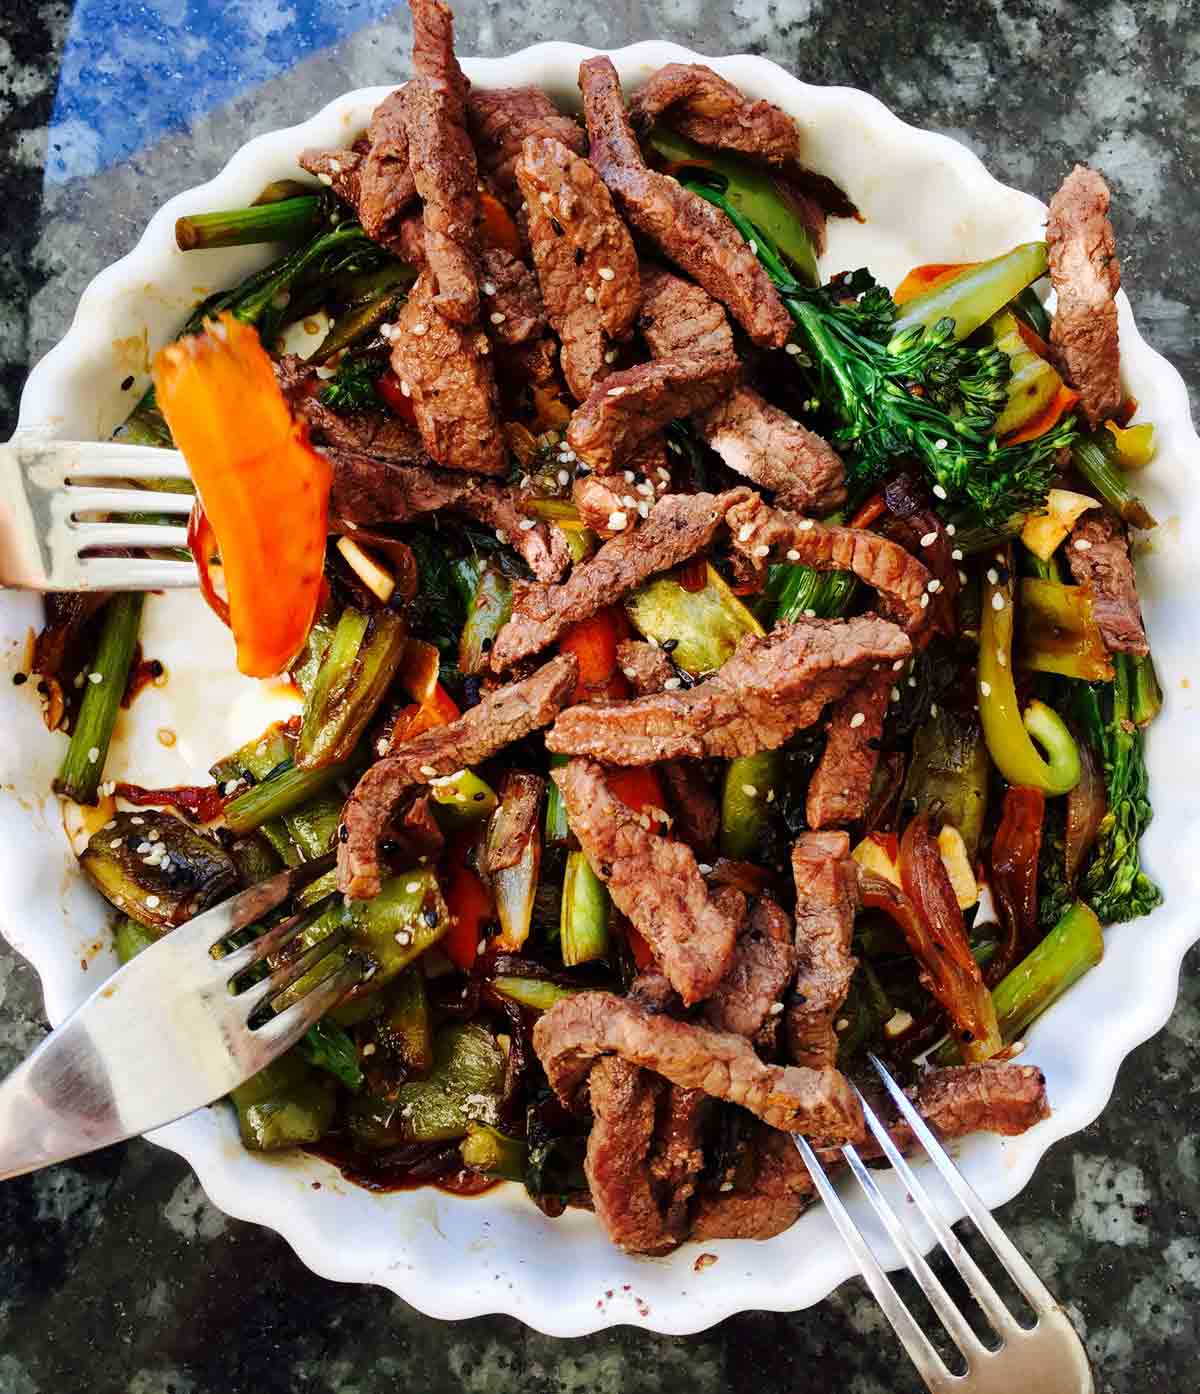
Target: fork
<point>1047,1358</point>
<point>47,489</point>
<point>167,1034</point>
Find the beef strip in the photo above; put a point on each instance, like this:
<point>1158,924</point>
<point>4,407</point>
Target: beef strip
<point>375,433</point>
<point>631,405</point>
<point>502,119</point>
<point>624,1100</point>
<point>901,580</point>
<point>587,1025</point>
<point>754,438</point>
<point>448,374</point>
<point>757,440</point>
<point>600,502</point>
<point>585,261</point>
<point>1086,276</point>
<point>442,159</point>
<point>1098,553</point>
<point>510,291</point>
<point>338,169</point>
<point>677,1158</point>
<point>386,184</point>
<point>687,229</point>
<point>1006,1099</point>
<point>840,787</point>
<point>697,813</point>
<point>500,718</point>
<point>763,964</point>
<point>654,881</point>
<point>679,526</point>
<point>770,688</point>
<point>771,1199</point>
<point>826,903</point>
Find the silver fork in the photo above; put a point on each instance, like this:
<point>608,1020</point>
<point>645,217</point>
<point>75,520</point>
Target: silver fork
<point>1047,1358</point>
<point>166,1034</point>
<point>46,489</point>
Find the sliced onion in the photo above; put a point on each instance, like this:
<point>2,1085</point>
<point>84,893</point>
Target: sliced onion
<point>1015,851</point>
<point>1087,804</point>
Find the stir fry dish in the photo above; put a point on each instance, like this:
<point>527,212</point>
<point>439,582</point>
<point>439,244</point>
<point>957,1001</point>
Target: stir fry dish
<point>710,675</point>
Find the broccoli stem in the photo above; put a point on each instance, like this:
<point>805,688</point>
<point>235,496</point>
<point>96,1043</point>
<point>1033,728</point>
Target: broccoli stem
<point>1093,459</point>
<point>83,766</point>
<point>284,790</point>
<point>1145,692</point>
<point>557,829</point>
<point>286,221</point>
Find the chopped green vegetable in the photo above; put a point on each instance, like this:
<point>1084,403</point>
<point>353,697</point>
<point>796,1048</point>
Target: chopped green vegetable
<point>535,993</point>
<point>285,789</point>
<point>130,938</point>
<point>1034,383</point>
<point>1028,306</point>
<point>82,768</point>
<point>487,614</point>
<point>701,627</point>
<point>747,794</point>
<point>583,928</point>
<point>1058,633</point>
<point>493,1153</point>
<point>976,293</point>
<point>462,798</point>
<point>406,1026</point>
<point>285,221</point>
<point>352,388</point>
<point>1146,692</point>
<point>557,829</point>
<point>801,591</point>
<point>1094,457</point>
<point>285,1105</point>
<point>403,920</point>
<point>351,682</point>
<point>327,1046</point>
<point>949,772</point>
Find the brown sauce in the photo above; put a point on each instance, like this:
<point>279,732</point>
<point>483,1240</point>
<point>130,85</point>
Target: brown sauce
<point>405,1168</point>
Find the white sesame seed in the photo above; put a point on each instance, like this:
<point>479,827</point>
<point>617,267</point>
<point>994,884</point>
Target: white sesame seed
<point>420,328</point>
<point>93,754</point>
<point>501,535</point>
<point>912,681</point>
<point>703,868</point>
<point>137,822</point>
<point>810,614</point>
<point>412,887</point>
<point>326,179</point>
<point>78,679</point>
<point>488,288</point>
<point>153,835</point>
<point>616,521</point>
<point>563,478</point>
<point>993,576</point>
<point>934,586</point>
<point>962,578</point>
<point>567,455</point>
<point>428,771</point>
<point>750,791</point>
<point>335,166</point>
<point>405,389</point>
<point>403,937</point>
<point>628,476</point>
<point>895,694</point>
<point>629,501</point>
<point>725,1186</point>
<point>544,198</point>
<point>929,539</point>
<point>95,678</point>
<point>116,842</point>
<point>1001,658</point>
<point>645,488</point>
<point>899,664</point>
<point>857,720</point>
<point>938,492</point>
<point>369,1049</point>
<point>610,356</point>
<point>1082,544</point>
<point>985,688</point>
<point>956,554</point>
<point>761,550</point>
<point>497,317</point>
<point>793,555</point>
<point>950,529</point>
<point>672,683</point>
<point>381,747</point>
<point>616,392</point>
<point>924,600</point>
<point>112,823</point>
<point>933,709</point>
<point>776,1008</point>
<point>589,295</point>
<point>744,532</point>
<point>806,525</point>
<point>527,524</point>
<point>793,349</point>
<point>998,601</point>
<point>941,443</point>
<point>607,273</point>
<point>644,508</point>
<point>152,902</point>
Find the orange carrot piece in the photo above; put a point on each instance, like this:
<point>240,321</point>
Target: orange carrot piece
<point>928,277</point>
<point>499,230</point>
<point>469,904</point>
<point>1064,401</point>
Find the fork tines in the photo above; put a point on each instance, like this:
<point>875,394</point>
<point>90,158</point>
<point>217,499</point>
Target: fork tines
<point>914,1340</point>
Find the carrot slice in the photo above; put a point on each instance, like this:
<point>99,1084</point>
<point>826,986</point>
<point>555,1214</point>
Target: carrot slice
<point>874,508</point>
<point>438,710</point>
<point>923,278</point>
<point>499,230</point>
<point>469,904</point>
<point>1063,402</point>
<point>594,643</point>
<point>264,489</point>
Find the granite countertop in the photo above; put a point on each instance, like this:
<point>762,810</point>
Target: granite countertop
<point>117,1274</point>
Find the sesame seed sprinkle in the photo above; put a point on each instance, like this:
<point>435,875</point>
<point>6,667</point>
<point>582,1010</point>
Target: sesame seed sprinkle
<point>857,720</point>
<point>616,521</point>
<point>607,273</point>
<point>929,539</point>
<point>985,688</point>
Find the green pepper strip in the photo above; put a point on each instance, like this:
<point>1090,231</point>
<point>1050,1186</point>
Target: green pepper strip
<point>493,1153</point>
<point>746,797</point>
<point>1006,732</point>
<point>583,924</point>
<point>1074,945</point>
<point>83,766</point>
<point>534,993</point>
<point>285,790</point>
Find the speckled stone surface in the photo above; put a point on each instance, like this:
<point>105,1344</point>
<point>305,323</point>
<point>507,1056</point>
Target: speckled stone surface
<point>116,1274</point>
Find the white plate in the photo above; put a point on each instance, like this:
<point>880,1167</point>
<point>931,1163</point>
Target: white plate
<point>925,198</point>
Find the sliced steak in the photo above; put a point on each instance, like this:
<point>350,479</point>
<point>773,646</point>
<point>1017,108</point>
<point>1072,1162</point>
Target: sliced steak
<point>771,1199</point>
<point>375,433</point>
<point>584,256</point>
<point>840,788</point>
<point>338,169</point>
<point>757,440</point>
<point>502,119</point>
<point>679,526</point>
<point>512,305</point>
<point>826,903</point>
<point>628,407</point>
<point>624,1102</point>
<point>1098,553</point>
<point>500,718</point>
<point>442,159</point>
<point>1086,276</point>
<point>697,813</point>
<point>685,228</point>
<point>770,688</point>
<point>386,186</point>
<point>447,372</point>
<point>762,534</point>
<point>677,1158</point>
<point>763,964</point>
<point>679,317</point>
<point>587,1025</point>
<point>654,881</point>
<point>987,1098</point>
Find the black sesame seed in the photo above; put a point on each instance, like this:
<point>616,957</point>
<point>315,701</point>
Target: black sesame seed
<point>578,256</point>
<point>389,847</point>
<point>908,808</point>
<point>43,690</point>
<point>127,384</point>
<point>485,644</point>
<point>154,668</point>
<point>874,743</point>
<point>968,1036</point>
<point>669,645</point>
<point>19,679</point>
<point>605,869</point>
<point>479,798</point>
<point>343,833</point>
<point>559,230</point>
<point>431,917</point>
